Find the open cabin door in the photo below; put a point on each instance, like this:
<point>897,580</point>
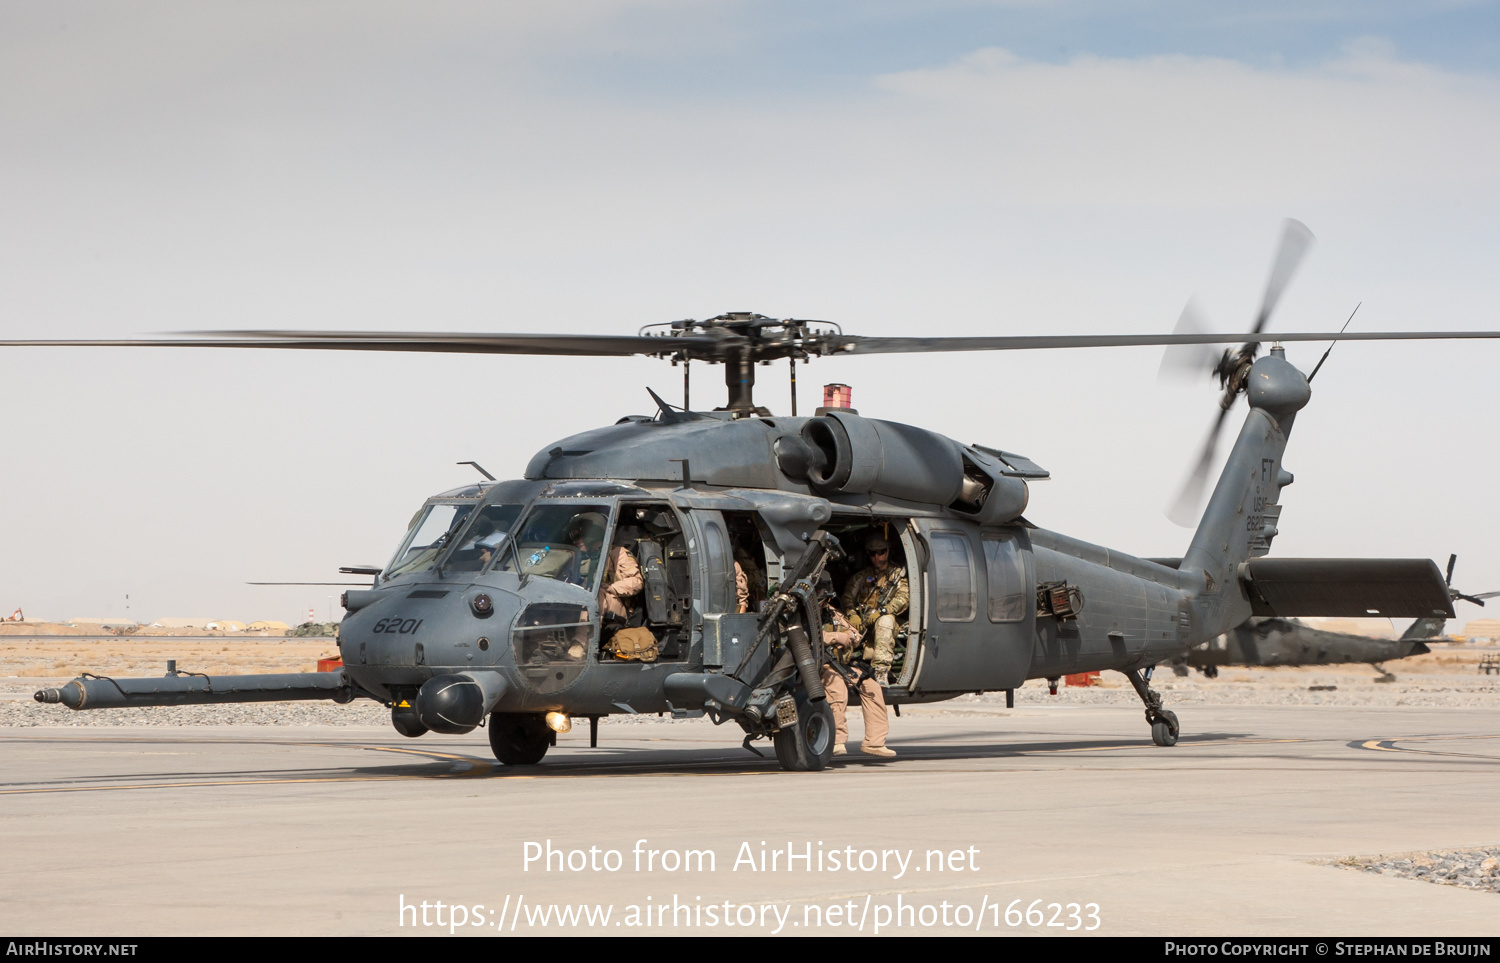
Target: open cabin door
<point>980,609</point>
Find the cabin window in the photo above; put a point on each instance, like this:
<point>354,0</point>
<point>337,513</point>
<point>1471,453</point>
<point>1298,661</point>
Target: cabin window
<point>1007,578</point>
<point>953,571</point>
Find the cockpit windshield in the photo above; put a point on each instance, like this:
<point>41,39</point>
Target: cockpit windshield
<point>480,542</point>
<point>431,530</point>
<point>565,542</point>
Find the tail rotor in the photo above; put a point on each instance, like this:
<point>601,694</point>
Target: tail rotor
<point>1232,367</point>
<point>1457,595</point>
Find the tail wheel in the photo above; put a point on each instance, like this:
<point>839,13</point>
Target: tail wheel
<point>1164,729</point>
<point>807,745</point>
<point>519,739</point>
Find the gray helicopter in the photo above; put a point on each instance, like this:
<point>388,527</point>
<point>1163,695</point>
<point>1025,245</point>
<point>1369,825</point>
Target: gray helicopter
<point>494,609</point>
<point>1270,641</point>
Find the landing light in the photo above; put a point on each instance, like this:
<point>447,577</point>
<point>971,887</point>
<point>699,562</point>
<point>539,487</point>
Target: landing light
<point>558,722</point>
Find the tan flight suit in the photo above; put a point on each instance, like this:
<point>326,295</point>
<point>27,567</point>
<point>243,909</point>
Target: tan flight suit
<point>753,591</point>
<point>840,637</point>
<point>861,595</point>
<point>622,581</point>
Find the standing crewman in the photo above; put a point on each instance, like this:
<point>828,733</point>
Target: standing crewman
<point>876,596</point>
<point>842,642</point>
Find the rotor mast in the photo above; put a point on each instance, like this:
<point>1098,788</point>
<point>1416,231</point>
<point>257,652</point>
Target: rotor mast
<point>739,381</point>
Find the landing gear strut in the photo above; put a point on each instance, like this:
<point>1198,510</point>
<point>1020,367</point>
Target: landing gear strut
<point>1163,722</point>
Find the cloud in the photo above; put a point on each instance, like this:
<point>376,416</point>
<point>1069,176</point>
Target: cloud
<point>483,171</point>
<point>1199,131</point>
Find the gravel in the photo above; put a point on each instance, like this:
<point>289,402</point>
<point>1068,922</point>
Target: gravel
<point>1471,869</point>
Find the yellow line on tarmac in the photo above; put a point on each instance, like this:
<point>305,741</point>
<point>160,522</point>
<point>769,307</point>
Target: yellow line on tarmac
<point>475,768</point>
<point>1389,745</point>
<point>194,785</point>
<point>1144,745</point>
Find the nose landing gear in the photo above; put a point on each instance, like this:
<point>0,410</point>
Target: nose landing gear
<point>519,738</point>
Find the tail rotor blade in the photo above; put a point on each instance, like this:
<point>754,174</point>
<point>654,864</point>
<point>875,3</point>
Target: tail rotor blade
<point>1295,241</point>
<point>1448,579</point>
<point>1184,509</point>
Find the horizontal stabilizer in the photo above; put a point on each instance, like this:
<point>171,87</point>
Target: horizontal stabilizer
<point>1346,587</point>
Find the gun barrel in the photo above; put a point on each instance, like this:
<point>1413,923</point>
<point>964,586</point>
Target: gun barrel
<point>98,692</point>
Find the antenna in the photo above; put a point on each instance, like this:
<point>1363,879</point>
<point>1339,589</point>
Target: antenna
<point>477,468</point>
<point>667,414</point>
<point>1330,347</point>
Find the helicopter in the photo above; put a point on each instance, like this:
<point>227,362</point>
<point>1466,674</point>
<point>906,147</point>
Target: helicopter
<point>492,611</point>
<point>1272,641</point>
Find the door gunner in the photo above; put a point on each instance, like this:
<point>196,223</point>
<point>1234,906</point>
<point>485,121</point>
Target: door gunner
<point>876,596</point>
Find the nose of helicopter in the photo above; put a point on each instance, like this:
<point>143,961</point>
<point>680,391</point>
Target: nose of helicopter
<point>414,628</point>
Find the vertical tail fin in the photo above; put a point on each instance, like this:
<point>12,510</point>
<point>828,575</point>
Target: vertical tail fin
<point>1424,629</point>
<point>1242,514</point>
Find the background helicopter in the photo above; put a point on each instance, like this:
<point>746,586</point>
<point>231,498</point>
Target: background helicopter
<point>1269,641</point>
<point>490,608</point>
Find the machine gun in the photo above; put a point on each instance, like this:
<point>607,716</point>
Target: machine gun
<point>799,594</point>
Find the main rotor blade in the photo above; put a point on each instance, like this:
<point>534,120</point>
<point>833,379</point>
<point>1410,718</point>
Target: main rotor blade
<point>1182,361</point>
<point>853,344</point>
<point>536,344</point>
<point>1184,509</point>
<point>711,348</point>
<point>1295,241</point>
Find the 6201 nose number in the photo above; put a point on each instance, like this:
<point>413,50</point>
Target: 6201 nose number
<point>397,626</point>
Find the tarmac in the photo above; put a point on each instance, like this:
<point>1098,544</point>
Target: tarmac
<point>322,830</point>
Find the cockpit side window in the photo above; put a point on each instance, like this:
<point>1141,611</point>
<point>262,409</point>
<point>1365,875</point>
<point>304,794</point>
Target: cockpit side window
<point>565,542</point>
<point>430,532</point>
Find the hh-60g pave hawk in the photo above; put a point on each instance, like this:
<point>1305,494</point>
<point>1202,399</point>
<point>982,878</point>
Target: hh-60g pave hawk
<point>494,609</point>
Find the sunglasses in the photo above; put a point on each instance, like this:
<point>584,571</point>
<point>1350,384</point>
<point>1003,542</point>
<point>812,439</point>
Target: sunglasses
<point>879,551</point>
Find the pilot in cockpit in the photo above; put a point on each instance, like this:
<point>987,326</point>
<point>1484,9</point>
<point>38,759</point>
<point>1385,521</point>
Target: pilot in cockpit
<point>622,580</point>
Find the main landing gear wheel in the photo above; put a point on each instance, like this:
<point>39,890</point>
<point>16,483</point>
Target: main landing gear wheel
<point>1164,729</point>
<point>519,739</point>
<point>806,745</point>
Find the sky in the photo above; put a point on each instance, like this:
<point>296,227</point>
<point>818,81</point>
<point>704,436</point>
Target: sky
<point>957,168</point>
